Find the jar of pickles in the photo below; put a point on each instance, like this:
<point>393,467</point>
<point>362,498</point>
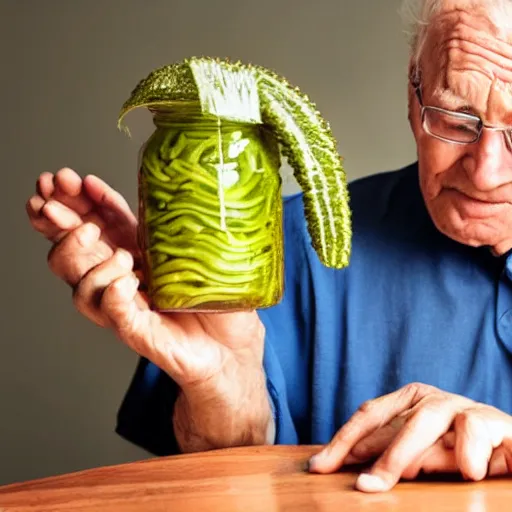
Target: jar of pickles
<point>210,213</point>
<point>210,207</point>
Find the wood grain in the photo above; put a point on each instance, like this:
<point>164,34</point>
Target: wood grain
<point>267,479</point>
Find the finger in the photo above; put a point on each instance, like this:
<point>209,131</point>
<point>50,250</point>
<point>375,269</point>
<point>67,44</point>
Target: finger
<point>77,253</point>
<point>51,217</point>
<point>45,186</point>
<point>129,314</point>
<point>501,462</point>
<point>436,459</point>
<point>88,293</point>
<point>421,431</point>
<point>475,442</point>
<point>116,213</point>
<point>54,220</point>
<point>62,217</point>
<point>103,195</point>
<point>68,191</point>
<point>377,442</point>
<point>449,440</point>
<point>65,218</point>
<point>507,447</point>
<point>39,221</point>
<point>160,339</point>
<point>34,206</point>
<point>370,416</point>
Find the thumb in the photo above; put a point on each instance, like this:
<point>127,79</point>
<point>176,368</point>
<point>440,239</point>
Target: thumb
<point>128,312</point>
<point>145,331</point>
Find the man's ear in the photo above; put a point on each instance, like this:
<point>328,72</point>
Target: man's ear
<point>414,77</point>
<point>412,82</point>
<point>414,73</point>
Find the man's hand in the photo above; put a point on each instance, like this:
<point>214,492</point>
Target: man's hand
<point>216,359</point>
<point>420,428</point>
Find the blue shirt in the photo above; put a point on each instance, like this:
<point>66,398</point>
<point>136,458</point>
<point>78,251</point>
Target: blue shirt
<point>413,306</point>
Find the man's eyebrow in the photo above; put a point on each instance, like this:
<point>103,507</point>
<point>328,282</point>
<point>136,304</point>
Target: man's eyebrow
<point>452,101</point>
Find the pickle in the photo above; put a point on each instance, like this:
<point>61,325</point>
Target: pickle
<point>193,261</point>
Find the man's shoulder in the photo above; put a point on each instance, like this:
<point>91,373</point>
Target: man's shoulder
<point>386,208</point>
<point>389,188</point>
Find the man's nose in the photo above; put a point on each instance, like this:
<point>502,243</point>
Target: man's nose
<point>490,163</point>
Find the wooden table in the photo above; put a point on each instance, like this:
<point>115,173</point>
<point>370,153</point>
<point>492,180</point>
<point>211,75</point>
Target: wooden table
<point>263,479</point>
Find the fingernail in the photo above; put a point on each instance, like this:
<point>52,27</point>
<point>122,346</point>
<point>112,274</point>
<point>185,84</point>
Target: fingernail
<point>54,205</point>
<point>36,203</point>
<point>124,258</point>
<point>371,483</point>
<point>131,284</point>
<point>313,461</point>
<point>87,233</point>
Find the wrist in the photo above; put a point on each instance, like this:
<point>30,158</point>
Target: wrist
<point>231,409</point>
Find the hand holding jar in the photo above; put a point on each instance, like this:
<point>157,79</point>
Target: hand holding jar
<point>180,284</point>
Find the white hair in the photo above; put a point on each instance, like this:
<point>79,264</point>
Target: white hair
<point>417,15</point>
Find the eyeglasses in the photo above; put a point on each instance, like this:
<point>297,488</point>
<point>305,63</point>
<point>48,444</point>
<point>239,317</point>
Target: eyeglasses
<point>455,127</point>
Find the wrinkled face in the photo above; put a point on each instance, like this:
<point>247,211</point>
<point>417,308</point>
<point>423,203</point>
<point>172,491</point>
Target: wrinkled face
<point>467,67</point>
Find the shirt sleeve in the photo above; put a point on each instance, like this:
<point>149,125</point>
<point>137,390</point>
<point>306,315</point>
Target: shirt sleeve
<point>145,415</point>
<point>283,424</point>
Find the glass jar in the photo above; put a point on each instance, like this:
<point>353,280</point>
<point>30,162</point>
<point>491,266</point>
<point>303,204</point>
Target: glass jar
<point>210,213</point>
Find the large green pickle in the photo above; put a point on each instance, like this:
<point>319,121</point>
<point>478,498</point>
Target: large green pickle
<point>211,214</point>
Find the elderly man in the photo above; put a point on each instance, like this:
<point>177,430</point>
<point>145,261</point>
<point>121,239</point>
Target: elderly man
<point>404,358</point>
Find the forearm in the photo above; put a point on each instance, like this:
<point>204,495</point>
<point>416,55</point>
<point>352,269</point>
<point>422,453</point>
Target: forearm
<point>232,412</point>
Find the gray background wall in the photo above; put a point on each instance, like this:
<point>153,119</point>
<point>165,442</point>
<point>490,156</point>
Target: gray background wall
<point>66,67</point>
